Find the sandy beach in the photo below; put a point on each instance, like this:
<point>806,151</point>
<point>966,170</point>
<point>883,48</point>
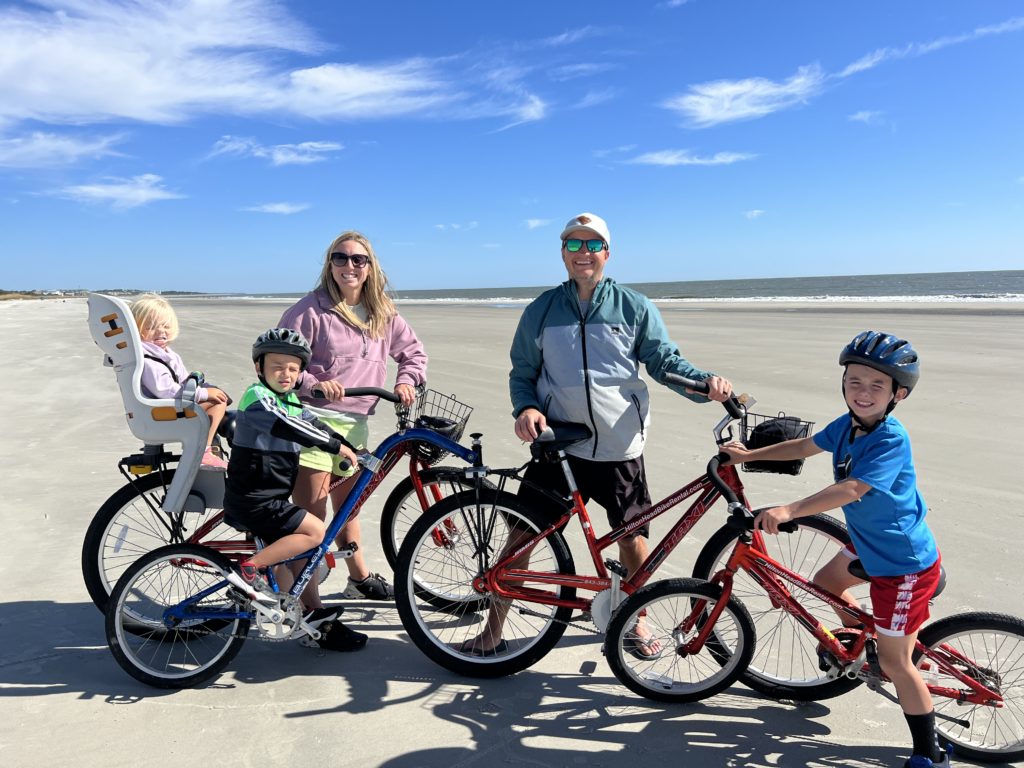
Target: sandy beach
<point>64,701</point>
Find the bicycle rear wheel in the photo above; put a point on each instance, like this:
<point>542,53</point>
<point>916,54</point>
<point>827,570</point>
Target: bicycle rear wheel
<point>196,648</point>
<point>785,664</point>
<point>453,543</point>
<point>988,647</point>
<point>669,673</point>
<point>132,522</point>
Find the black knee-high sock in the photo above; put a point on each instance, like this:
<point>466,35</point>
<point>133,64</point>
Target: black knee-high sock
<point>922,732</point>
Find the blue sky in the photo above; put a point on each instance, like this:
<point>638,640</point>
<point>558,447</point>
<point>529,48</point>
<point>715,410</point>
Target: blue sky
<point>219,145</point>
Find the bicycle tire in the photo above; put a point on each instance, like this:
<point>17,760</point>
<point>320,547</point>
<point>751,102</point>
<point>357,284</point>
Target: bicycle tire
<point>182,656</point>
<point>402,507</point>
<point>125,527</point>
<point>448,568</point>
<point>995,642</point>
<point>785,665</point>
<point>666,675</point>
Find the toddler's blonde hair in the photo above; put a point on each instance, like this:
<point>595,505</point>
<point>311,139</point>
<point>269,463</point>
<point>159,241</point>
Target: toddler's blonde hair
<point>151,310</point>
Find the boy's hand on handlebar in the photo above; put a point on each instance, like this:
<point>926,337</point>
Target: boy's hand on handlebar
<point>217,396</point>
<point>768,520</point>
<point>347,453</point>
<point>719,389</point>
<point>529,424</point>
<point>407,393</point>
<point>330,390</point>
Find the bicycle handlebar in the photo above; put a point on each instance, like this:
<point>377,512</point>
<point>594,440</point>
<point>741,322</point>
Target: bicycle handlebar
<point>739,516</point>
<point>732,405</point>
<point>383,394</point>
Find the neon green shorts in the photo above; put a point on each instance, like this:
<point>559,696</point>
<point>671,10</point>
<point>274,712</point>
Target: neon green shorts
<point>355,430</point>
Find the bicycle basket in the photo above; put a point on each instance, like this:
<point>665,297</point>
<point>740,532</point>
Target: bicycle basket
<point>760,431</point>
<point>442,414</point>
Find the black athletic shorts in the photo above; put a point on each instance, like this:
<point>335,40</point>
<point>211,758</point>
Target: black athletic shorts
<point>618,486</point>
<point>270,521</point>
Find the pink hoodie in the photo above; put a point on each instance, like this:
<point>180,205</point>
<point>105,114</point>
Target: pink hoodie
<point>350,356</point>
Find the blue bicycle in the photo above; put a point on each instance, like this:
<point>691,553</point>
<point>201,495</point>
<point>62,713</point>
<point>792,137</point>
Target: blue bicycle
<point>174,621</point>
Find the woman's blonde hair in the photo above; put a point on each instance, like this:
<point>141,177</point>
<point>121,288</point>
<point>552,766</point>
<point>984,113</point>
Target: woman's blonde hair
<point>375,300</point>
<point>151,310</point>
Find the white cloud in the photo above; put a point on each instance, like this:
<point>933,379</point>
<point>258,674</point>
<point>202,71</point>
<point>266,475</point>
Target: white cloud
<point>303,153</point>
<point>283,209</point>
<point>756,213</point>
<point>574,71</point>
<point>570,36</point>
<point>614,150</point>
<point>724,101</point>
<point>536,223</point>
<point>457,227</point>
<point>672,3</point>
<point>45,150</point>
<point>867,116</point>
<point>593,98</point>
<point>122,193</point>
<point>671,157</point>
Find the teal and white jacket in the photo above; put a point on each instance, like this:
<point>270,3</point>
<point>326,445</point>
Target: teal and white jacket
<point>587,369</point>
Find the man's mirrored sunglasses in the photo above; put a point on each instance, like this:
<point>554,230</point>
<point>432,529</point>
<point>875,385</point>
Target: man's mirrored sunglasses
<point>574,244</point>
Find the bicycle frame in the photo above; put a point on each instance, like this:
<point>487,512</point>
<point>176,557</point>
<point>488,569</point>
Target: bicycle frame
<point>774,577</point>
<point>374,466</point>
<point>496,578</point>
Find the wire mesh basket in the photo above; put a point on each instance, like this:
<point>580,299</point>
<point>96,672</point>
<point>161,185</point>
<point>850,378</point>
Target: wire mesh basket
<point>761,430</point>
<point>442,414</point>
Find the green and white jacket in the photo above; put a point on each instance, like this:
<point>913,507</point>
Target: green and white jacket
<point>586,369</point>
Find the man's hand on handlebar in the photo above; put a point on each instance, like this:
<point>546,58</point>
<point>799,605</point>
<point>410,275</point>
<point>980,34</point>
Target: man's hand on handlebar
<point>736,451</point>
<point>407,393</point>
<point>529,424</point>
<point>719,389</point>
<point>768,519</point>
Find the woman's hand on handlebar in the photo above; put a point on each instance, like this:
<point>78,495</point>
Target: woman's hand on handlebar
<point>406,393</point>
<point>329,390</point>
<point>529,424</point>
<point>719,389</point>
<point>769,519</point>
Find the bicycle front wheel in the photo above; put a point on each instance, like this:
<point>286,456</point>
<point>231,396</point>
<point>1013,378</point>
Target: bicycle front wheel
<point>648,635</point>
<point>402,507</point>
<point>454,542</point>
<point>192,650</point>
<point>988,647</point>
<point>132,523</point>
<point>785,665</point>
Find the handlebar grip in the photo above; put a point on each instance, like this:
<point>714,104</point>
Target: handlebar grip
<point>732,405</point>
<point>383,394</point>
<point>344,465</point>
<point>746,523</point>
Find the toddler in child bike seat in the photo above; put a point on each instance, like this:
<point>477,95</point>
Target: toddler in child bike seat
<point>271,428</point>
<point>164,372</point>
<point>876,486</point>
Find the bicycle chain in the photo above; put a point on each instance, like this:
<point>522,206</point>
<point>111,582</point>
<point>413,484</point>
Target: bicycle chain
<point>530,612</point>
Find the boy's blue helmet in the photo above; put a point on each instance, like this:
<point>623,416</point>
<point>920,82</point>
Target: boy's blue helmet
<point>285,341</point>
<point>886,353</point>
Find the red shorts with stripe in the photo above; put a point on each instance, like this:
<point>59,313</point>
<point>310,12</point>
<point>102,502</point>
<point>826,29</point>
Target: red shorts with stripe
<point>900,603</point>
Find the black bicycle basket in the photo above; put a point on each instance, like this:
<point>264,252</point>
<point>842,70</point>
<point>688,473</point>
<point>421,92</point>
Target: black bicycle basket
<point>442,414</point>
<point>760,431</point>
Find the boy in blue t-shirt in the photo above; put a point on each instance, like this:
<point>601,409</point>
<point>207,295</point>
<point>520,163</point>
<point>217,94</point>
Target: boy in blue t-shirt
<point>876,486</point>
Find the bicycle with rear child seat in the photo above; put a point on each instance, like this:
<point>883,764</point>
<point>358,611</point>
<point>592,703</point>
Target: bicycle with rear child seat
<point>972,663</point>
<point>133,521</point>
<point>467,551</point>
<point>173,620</point>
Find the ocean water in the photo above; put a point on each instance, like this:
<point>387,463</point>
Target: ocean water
<point>997,286</point>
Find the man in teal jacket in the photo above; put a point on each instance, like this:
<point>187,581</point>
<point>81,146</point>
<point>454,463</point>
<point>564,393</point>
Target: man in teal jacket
<point>576,356</point>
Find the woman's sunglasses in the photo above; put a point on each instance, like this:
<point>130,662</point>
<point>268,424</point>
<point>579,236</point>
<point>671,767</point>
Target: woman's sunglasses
<point>342,259</point>
<point>574,244</point>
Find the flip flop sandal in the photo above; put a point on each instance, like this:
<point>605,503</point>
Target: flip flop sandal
<point>634,646</point>
<point>482,653</point>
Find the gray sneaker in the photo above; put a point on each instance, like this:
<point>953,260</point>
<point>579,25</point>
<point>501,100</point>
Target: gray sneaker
<point>373,587</point>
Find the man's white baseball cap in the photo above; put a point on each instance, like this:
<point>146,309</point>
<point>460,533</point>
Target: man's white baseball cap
<point>589,222</point>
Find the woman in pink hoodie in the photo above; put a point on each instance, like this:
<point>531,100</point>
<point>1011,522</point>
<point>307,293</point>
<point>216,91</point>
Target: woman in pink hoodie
<point>353,328</point>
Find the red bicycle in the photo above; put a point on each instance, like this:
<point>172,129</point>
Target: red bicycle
<point>462,560</point>
<point>133,522</point>
<point>972,663</point>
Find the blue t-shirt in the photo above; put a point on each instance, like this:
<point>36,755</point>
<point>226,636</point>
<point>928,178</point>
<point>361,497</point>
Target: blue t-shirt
<point>887,524</point>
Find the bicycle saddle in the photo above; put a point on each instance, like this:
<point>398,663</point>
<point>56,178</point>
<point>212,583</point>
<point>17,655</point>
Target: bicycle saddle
<point>559,435</point>
<point>856,568</point>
